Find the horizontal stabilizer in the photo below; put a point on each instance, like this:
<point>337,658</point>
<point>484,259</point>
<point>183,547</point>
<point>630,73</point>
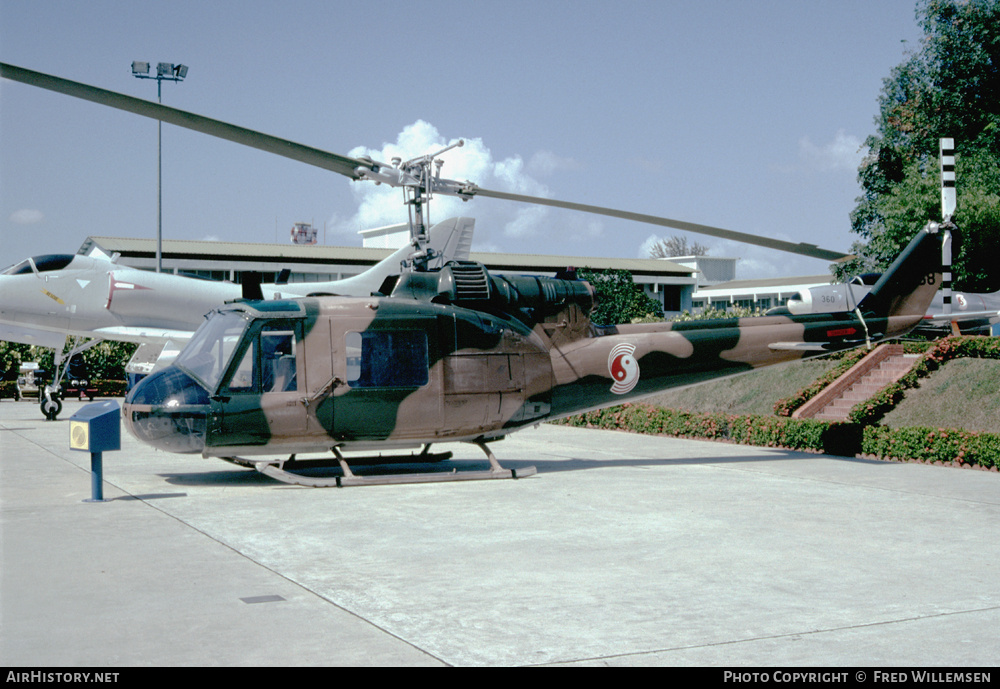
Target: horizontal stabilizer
<point>962,316</point>
<point>799,346</point>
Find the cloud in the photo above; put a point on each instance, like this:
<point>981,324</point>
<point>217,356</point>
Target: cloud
<point>27,216</point>
<point>499,223</point>
<point>842,154</point>
<point>545,163</point>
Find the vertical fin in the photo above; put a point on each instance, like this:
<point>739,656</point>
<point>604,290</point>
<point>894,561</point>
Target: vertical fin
<point>909,285</point>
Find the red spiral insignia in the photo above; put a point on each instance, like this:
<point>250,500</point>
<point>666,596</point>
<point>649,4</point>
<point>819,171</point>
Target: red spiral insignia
<point>624,368</point>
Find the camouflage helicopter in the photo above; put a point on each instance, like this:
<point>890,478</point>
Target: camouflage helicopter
<point>453,353</point>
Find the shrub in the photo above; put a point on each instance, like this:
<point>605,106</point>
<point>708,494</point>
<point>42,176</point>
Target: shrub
<point>837,438</point>
<point>932,445</point>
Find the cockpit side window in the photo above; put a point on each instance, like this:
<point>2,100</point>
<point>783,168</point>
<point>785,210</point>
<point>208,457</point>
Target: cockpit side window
<point>18,268</point>
<point>268,362</point>
<point>208,353</point>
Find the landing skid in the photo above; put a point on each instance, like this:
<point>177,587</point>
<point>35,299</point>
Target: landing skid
<point>279,470</point>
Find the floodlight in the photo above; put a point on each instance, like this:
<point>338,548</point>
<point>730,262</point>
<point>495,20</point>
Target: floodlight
<point>165,71</point>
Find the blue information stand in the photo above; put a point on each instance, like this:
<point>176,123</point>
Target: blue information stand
<point>96,427</point>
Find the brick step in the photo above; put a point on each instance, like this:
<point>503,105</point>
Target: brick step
<point>893,366</point>
<point>888,371</point>
<point>830,416</point>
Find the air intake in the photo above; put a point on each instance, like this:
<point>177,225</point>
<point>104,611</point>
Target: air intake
<point>471,281</point>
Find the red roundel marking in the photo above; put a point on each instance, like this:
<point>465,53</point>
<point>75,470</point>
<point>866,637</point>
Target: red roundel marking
<point>623,367</point>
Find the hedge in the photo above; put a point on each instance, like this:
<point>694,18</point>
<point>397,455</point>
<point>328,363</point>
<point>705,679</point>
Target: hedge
<point>766,431</point>
<point>938,445</point>
<point>843,439</point>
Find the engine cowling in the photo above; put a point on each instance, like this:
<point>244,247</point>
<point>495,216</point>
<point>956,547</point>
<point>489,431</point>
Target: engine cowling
<point>470,285</point>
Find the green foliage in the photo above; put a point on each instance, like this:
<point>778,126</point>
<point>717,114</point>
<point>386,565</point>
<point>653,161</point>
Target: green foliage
<point>950,87</point>
<point>11,356</point>
<point>711,313</point>
<point>807,435</point>
<point>766,431</point>
<point>105,361</point>
<point>943,445</point>
<point>619,299</point>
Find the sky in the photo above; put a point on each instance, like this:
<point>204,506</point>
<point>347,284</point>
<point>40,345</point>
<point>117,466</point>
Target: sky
<point>740,114</point>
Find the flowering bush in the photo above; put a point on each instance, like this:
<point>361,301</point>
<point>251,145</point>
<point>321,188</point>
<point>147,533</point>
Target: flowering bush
<point>808,435</point>
<point>942,445</point>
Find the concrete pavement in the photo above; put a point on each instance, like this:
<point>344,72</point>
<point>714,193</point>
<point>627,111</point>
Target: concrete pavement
<point>623,550</point>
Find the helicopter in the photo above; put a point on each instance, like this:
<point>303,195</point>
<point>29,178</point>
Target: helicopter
<point>452,353</point>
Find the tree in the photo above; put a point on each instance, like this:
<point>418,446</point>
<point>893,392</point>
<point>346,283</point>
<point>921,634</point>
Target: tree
<point>676,246</point>
<point>619,299</point>
<point>11,356</point>
<point>104,361</point>
<point>950,87</point>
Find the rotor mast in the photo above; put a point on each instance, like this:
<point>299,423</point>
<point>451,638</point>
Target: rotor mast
<point>419,177</point>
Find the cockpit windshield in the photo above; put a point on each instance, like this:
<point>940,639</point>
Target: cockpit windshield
<point>208,353</point>
<point>48,262</point>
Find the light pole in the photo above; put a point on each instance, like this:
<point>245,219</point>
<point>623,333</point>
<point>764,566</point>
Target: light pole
<point>165,71</point>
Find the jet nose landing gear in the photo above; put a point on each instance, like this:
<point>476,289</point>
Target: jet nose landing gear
<point>50,404</point>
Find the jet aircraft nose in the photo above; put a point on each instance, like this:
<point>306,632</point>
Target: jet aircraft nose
<point>168,410</point>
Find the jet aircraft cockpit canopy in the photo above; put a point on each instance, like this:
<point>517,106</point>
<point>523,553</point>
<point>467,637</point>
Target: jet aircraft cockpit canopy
<point>42,264</point>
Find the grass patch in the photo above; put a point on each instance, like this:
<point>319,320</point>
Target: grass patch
<point>750,393</point>
<point>963,393</point>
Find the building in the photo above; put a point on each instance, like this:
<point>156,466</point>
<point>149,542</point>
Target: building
<point>760,294</point>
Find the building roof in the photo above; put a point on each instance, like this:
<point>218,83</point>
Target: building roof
<point>235,251</point>
<point>131,247</point>
<point>763,286</point>
<point>766,283</point>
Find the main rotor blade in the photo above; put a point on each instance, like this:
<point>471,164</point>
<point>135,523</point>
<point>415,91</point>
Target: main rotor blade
<point>265,142</point>
<point>804,249</point>
<point>347,166</point>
